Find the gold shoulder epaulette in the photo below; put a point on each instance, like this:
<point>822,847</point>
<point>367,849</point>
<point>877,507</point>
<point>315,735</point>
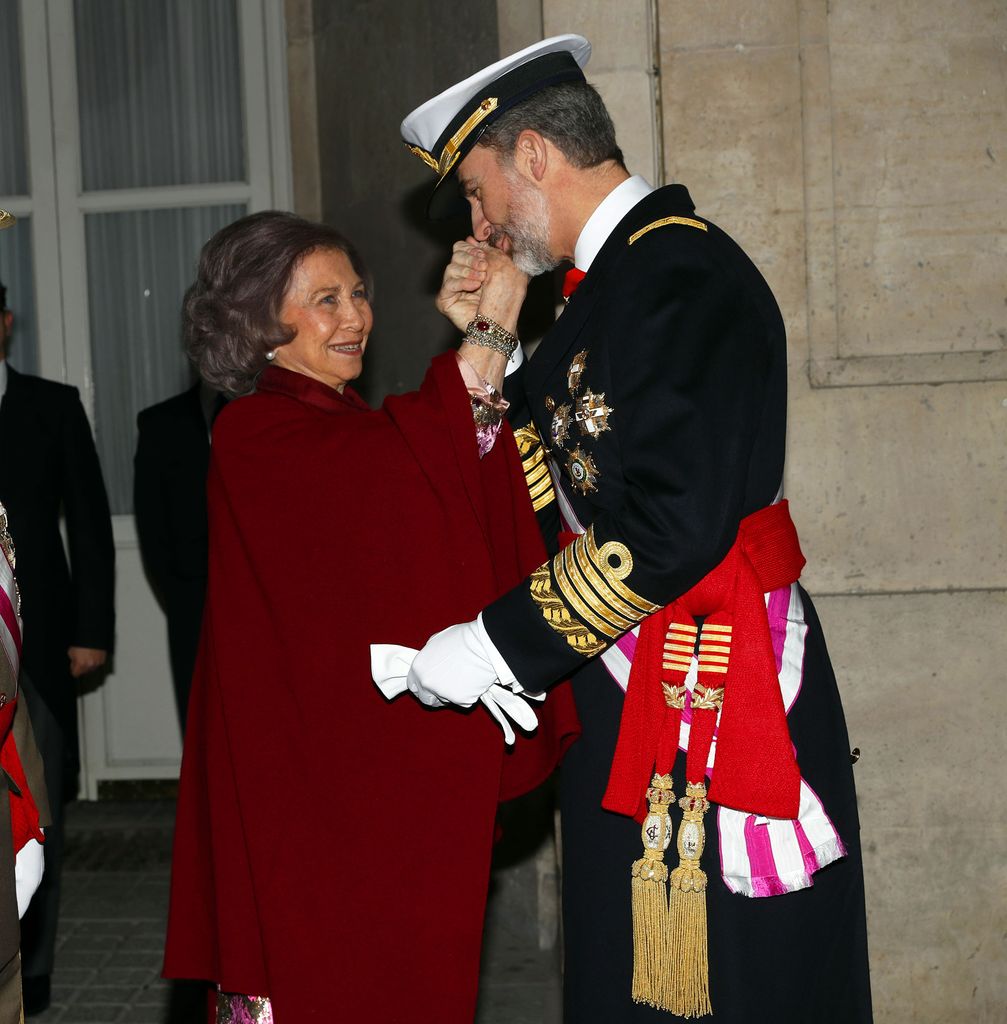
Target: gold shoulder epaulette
<point>664,222</point>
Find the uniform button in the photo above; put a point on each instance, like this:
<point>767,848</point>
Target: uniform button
<point>854,755</point>
<point>550,404</point>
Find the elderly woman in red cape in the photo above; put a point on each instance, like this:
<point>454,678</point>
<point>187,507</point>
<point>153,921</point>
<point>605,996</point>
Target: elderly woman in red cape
<point>332,848</point>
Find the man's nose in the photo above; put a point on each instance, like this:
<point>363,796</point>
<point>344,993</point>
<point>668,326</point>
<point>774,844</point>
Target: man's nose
<point>481,227</point>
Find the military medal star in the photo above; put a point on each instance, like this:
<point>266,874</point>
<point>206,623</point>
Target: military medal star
<point>561,425</point>
<point>582,471</point>
<point>576,371</point>
<point>592,414</point>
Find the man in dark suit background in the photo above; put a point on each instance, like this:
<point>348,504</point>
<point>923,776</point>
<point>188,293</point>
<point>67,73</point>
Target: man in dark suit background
<point>48,465</point>
<point>169,502</point>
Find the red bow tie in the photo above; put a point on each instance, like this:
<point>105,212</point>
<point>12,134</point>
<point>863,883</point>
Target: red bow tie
<point>570,282</point>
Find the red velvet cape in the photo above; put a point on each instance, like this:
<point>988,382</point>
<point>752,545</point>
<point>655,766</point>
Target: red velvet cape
<point>332,848</point>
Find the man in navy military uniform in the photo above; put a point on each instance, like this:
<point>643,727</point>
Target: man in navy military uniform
<point>657,403</point>
<point>49,468</point>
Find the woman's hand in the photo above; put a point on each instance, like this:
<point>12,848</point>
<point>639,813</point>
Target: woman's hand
<point>461,287</point>
<point>481,279</point>
<point>503,292</point>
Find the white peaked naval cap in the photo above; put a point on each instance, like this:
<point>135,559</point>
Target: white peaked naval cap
<point>443,129</point>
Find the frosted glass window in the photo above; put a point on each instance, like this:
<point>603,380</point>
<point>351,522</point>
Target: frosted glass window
<point>139,265</point>
<point>13,161</point>
<point>16,274</point>
<point>160,93</point>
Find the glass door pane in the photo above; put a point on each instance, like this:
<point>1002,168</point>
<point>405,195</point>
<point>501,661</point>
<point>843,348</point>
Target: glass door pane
<point>140,263</point>
<point>159,87</point>
<point>16,275</point>
<point>13,159</point>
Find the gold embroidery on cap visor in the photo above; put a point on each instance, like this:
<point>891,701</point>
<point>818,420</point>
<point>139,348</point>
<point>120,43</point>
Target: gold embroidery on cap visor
<point>449,154</point>
<point>7,219</point>
<point>589,582</point>
<point>536,470</point>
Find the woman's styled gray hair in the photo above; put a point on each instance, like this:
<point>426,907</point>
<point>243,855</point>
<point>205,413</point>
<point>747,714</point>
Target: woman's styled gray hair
<point>231,312</point>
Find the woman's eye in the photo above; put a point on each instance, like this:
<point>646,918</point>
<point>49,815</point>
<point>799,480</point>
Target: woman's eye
<point>329,300</point>
<point>360,294</point>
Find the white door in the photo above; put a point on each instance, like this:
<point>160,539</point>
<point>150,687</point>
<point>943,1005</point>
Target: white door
<point>139,130</point>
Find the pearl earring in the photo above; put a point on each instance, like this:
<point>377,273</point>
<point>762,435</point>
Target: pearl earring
<point>271,354</point>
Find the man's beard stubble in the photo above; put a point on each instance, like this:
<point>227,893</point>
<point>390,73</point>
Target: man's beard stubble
<point>527,227</point>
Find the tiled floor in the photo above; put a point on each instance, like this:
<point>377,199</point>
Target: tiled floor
<point>115,890</point>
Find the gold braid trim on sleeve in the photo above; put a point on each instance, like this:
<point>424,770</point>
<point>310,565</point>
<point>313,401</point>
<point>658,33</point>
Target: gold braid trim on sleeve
<point>612,588</point>
<point>558,617</point>
<point>581,595</point>
<point>536,470</point>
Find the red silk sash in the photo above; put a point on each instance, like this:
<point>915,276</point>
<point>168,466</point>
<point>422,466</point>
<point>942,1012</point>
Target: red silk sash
<point>755,768</point>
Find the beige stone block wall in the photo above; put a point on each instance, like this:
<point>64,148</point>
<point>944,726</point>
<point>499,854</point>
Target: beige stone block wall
<point>855,149</point>
<point>932,807</point>
<point>622,68</point>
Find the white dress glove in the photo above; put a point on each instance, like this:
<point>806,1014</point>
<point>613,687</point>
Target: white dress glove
<point>452,668</point>
<point>498,701</point>
<point>393,670</point>
<point>28,868</point>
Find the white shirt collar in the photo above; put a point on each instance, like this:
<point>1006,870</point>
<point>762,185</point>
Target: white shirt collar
<point>606,216</point>
<point>3,377</point>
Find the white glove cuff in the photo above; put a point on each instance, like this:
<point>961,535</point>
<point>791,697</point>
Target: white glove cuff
<point>503,671</point>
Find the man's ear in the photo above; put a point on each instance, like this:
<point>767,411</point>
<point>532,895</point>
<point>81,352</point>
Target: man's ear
<point>531,154</point>
<point>8,321</point>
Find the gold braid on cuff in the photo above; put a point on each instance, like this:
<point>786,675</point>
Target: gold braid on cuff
<point>589,604</point>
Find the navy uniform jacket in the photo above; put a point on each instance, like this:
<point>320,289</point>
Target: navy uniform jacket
<point>49,465</point>
<point>660,394</point>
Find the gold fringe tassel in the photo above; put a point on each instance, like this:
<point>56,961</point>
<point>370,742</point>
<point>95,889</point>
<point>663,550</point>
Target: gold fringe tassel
<point>688,983</point>
<point>650,900</point>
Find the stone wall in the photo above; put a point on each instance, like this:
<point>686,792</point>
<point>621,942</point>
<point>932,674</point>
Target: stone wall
<point>856,150</point>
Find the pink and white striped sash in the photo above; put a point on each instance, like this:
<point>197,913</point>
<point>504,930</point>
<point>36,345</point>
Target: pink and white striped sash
<point>758,856</point>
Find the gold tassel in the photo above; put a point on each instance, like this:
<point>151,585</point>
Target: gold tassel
<point>650,899</point>
<point>689,980</point>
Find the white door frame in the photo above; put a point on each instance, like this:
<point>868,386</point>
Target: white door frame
<point>138,690</point>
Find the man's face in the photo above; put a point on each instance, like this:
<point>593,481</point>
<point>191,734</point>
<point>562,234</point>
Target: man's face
<point>508,211</point>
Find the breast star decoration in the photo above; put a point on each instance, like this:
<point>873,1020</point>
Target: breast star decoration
<point>581,469</point>
<point>561,424</point>
<point>590,413</point>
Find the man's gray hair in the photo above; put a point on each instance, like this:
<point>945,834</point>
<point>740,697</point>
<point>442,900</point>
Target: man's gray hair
<point>572,116</point>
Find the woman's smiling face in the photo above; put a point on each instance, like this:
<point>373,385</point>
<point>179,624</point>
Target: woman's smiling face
<point>326,304</point>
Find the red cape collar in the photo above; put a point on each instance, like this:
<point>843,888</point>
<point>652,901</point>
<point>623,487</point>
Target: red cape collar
<point>310,391</point>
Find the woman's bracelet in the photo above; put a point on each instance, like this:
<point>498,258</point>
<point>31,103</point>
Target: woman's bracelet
<point>487,332</point>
